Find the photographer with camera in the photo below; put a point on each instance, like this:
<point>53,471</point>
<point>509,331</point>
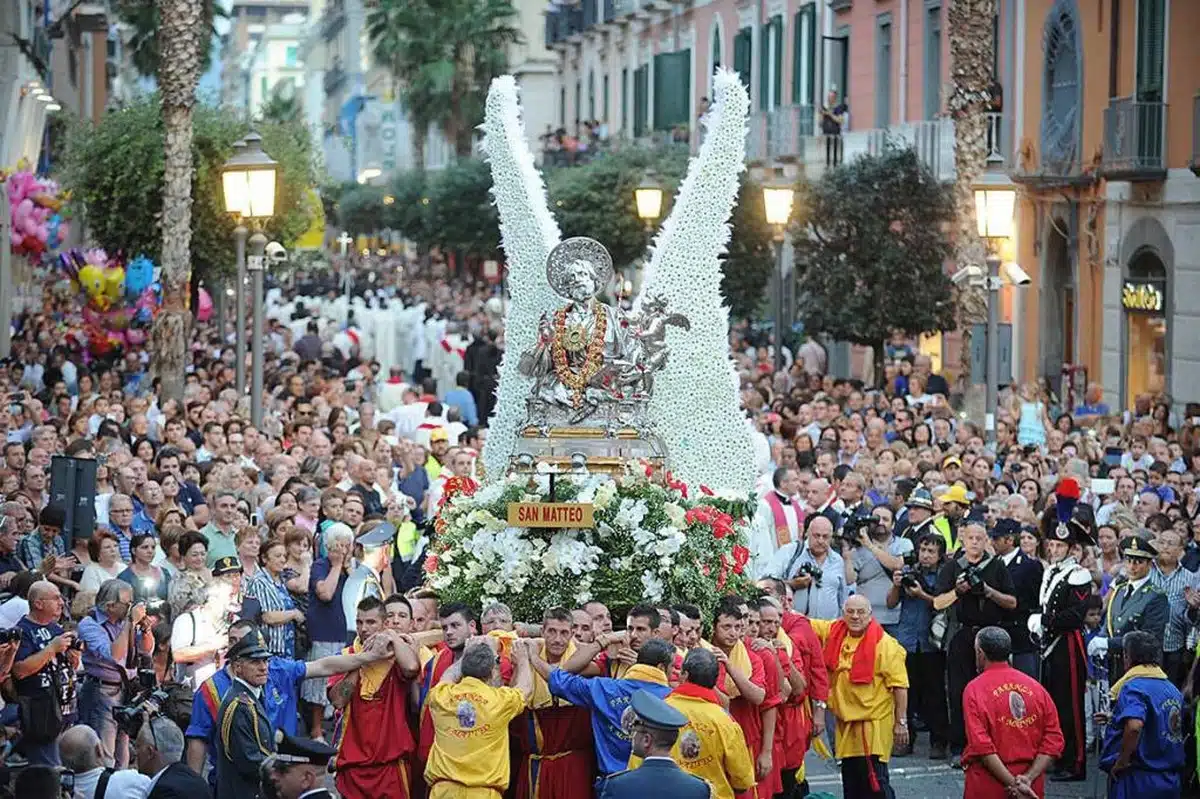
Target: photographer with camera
<point>911,594</point>
<point>114,632</point>
<point>872,556</point>
<point>815,572</point>
<point>980,588</point>
<point>46,662</point>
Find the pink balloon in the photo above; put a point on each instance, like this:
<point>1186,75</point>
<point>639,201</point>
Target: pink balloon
<point>135,338</point>
<point>204,308</point>
<point>30,226</point>
<point>23,209</point>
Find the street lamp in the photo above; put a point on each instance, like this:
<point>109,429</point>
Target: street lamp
<point>234,190</point>
<point>648,197</point>
<point>778,196</point>
<point>248,181</point>
<point>995,201</point>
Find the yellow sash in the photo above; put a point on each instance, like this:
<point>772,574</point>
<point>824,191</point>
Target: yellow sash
<point>541,690</point>
<point>784,639</point>
<point>1153,672</point>
<point>739,656</point>
<point>372,675</point>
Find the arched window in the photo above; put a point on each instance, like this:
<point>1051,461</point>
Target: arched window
<point>1062,89</point>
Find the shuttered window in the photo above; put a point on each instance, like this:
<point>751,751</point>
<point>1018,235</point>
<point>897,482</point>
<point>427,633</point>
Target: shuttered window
<point>716,46</point>
<point>641,100</point>
<point>743,54</point>
<point>672,89</point>
<point>770,62</point>
<point>625,101</point>
<point>604,108</point>
<point>591,95</point>
<point>883,70</point>
<point>804,55</point>
<point>1151,28</point>
<point>932,79</point>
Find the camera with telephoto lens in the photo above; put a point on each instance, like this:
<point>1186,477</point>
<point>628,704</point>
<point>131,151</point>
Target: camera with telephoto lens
<point>972,575</point>
<point>150,698</point>
<point>910,574</point>
<point>855,526</point>
<point>810,570</point>
<point>10,636</point>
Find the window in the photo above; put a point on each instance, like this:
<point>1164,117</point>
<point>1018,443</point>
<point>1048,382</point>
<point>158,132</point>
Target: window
<point>743,46</point>
<point>625,100</point>
<point>562,107</point>
<point>933,62</point>
<point>591,94</point>
<point>604,107</point>
<point>578,100</point>
<point>1061,89</point>
<point>716,46</point>
<point>837,63</point>
<point>1151,21</point>
<point>672,89</point>
<point>641,100</point>
<point>883,70</point>
<point>804,55</point>
<point>770,63</point>
<point>291,56</point>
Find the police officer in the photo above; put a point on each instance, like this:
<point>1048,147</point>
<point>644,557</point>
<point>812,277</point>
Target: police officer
<point>922,519</point>
<point>246,737</point>
<point>1134,603</point>
<point>655,729</point>
<point>298,770</point>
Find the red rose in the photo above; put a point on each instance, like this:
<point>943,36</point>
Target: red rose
<point>431,564</point>
<point>741,556</point>
<point>705,490</point>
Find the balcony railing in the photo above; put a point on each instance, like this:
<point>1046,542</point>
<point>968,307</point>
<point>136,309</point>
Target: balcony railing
<point>335,78</point>
<point>333,19</point>
<point>1134,137</point>
<point>1195,162</point>
<point>789,134</point>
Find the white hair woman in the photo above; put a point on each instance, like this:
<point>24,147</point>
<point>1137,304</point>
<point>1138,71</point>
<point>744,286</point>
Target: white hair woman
<point>325,617</point>
<point>195,641</point>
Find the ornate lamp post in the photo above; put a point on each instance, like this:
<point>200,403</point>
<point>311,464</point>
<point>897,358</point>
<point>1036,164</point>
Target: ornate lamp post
<point>994,205</point>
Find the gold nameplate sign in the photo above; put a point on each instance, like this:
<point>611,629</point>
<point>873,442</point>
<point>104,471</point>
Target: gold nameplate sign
<point>550,514</point>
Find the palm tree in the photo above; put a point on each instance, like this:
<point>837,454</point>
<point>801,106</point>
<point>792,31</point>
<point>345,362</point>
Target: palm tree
<point>142,17</point>
<point>971,58</point>
<point>281,108</point>
<point>182,37</point>
<point>443,55</point>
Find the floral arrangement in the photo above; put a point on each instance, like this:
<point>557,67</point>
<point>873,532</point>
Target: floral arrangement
<point>528,232</point>
<point>649,542</point>
<point>695,404</point>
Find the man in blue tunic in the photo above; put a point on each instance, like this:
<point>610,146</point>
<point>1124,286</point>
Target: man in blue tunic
<point>1143,746</point>
<point>608,699</point>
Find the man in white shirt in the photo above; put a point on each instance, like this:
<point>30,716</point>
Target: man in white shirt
<point>79,748</point>
<point>778,521</point>
<point>160,746</point>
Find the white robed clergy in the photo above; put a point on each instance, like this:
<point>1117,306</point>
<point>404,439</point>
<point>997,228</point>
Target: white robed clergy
<point>777,522</point>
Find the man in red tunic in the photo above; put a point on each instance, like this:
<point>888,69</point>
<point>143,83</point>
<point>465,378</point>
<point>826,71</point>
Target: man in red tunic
<point>803,715</point>
<point>770,753</point>
<point>557,757</point>
<point>373,739</point>
<point>742,678</point>
<point>1013,733</point>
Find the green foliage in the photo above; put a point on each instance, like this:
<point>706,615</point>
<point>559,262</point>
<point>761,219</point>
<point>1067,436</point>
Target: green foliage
<point>141,17</point>
<point>467,220</point>
<point>871,250</point>
<point>750,261</point>
<point>281,108</point>
<point>114,170</point>
<point>443,55</point>
<point>409,214</point>
<point>360,210</point>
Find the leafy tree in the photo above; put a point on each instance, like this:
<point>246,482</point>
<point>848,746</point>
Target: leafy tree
<point>871,251</point>
<point>750,262</point>
<point>142,17</point>
<point>443,55</point>
<point>114,170</point>
<point>461,202</point>
<point>361,210</point>
<point>281,108</point>
<point>409,214</point>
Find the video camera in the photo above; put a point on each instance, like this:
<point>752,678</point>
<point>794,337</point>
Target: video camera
<point>149,701</point>
<point>855,526</point>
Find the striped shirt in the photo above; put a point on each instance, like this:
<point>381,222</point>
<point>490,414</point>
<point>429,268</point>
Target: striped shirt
<point>1175,636</point>
<point>273,596</point>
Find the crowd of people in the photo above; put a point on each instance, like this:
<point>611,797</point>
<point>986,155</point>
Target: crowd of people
<point>248,607</point>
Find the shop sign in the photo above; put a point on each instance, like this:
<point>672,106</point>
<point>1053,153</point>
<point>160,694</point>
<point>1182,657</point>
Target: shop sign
<point>1142,297</point>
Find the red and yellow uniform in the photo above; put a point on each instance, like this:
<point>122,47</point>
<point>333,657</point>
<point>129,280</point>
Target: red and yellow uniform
<point>373,739</point>
<point>864,711</point>
<point>711,746</point>
<point>556,753</point>
<point>747,716</point>
<point>469,756</point>
<point>796,713</point>
<point>1013,717</point>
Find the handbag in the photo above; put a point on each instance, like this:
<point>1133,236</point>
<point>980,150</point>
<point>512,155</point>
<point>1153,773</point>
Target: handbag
<point>41,717</point>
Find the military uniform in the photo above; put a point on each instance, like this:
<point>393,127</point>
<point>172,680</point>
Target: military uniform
<point>1063,595</point>
<point>1142,608</point>
<point>295,751</point>
<point>246,737</point>
<point>659,776</point>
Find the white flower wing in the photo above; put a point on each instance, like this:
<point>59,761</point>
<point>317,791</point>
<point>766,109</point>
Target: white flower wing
<point>528,233</point>
<point>695,404</point>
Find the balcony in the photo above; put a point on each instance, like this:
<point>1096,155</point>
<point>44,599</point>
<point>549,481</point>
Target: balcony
<point>1134,136</point>
<point>335,78</point>
<point>333,19</point>
<point>1195,162</point>
<point>789,135</point>
<point>840,5</point>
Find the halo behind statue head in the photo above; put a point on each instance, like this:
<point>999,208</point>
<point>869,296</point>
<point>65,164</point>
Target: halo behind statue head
<point>578,248</point>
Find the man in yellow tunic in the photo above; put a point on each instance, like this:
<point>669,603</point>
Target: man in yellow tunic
<point>868,696</point>
<point>470,758</point>
<point>712,745</point>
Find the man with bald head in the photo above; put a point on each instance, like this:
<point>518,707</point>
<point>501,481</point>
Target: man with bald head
<point>868,696</point>
<point>44,671</point>
<point>81,753</point>
<point>813,570</point>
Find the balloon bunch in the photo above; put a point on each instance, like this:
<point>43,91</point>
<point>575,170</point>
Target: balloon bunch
<point>122,297</point>
<point>36,207</point>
